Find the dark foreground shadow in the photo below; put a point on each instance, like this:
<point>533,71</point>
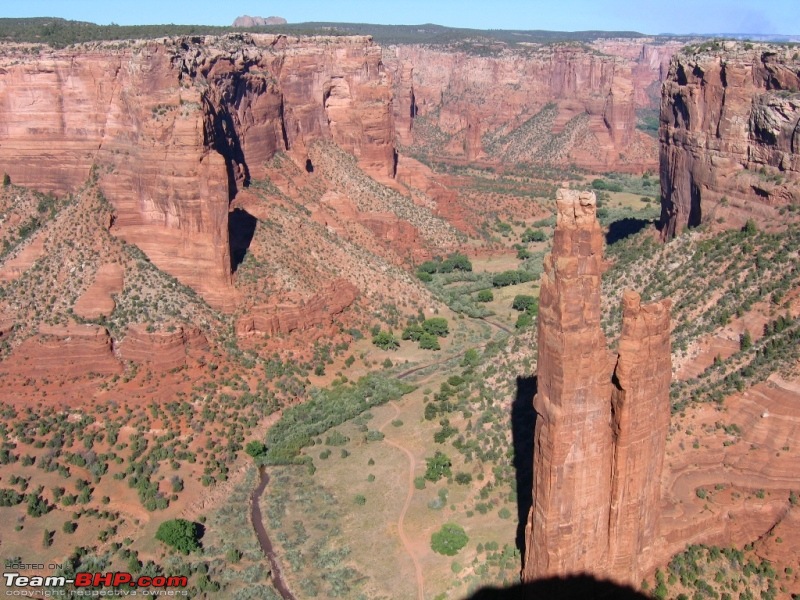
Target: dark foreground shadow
<point>579,587</point>
<point>523,420</point>
<point>619,230</point>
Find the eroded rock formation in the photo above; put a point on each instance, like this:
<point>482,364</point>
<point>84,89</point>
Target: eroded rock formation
<point>172,129</point>
<point>600,431</point>
<point>730,136</point>
<point>560,104</point>
<point>162,350</point>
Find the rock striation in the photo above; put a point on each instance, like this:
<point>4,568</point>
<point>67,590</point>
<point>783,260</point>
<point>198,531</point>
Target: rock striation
<point>600,429</point>
<point>172,129</point>
<point>162,350</point>
<point>729,136</point>
<point>300,315</point>
<point>562,104</point>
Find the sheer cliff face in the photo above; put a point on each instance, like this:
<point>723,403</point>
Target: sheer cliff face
<point>600,430</point>
<point>173,129</point>
<point>730,136</point>
<point>477,102</point>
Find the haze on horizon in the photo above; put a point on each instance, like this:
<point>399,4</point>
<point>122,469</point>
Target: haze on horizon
<point>648,16</point>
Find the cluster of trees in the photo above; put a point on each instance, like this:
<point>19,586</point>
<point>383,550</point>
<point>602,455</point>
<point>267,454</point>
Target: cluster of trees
<point>454,262</point>
<point>327,408</point>
<point>511,278</point>
<point>427,332</point>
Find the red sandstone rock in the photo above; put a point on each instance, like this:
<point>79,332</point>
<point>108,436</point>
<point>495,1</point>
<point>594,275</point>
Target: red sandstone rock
<point>287,317</point>
<point>729,129</point>
<point>640,410</point>
<point>163,350</point>
<point>98,299</point>
<point>172,129</point>
<point>567,530</point>
<point>469,96</point>
<point>64,350</point>
<point>598,448</point>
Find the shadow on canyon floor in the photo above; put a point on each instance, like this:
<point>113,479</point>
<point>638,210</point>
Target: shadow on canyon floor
<point>619,230</point>
<point>241,229</point>
<point>579,587</point>
<point>523,420</point>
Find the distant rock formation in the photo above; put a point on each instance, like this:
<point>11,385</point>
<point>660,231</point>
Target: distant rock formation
<point>248,21</point>
<point>729,136</point>
<point>600,430</point>
<point>561,104</point>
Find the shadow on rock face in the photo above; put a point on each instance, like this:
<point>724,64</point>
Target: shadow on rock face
<point>579,587</point>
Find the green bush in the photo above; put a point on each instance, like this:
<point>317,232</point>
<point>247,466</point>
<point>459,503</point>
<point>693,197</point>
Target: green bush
<point>256,449</point>
<point>485,296</point>
<point>437,467</point>
<point>436,326</point>
<point>449,539</point>
<point>429,342</point>
<point>181,534</point>
<point>385,340</point>
<point>533,235</point>
<point>523,302</point>
<point>511,278</point>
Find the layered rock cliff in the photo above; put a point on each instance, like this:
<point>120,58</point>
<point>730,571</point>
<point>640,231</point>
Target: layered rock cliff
<point>730,136</point>
<point>562,104</point>
<point>172,129</point>
<point>600,430</point>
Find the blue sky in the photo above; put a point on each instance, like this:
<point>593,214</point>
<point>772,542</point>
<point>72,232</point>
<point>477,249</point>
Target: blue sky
<point>646,16</point>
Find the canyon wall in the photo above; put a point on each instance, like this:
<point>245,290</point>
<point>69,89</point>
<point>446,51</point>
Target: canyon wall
<point>172,129</point>
<point>505,105</point>
<point>600,430</point>
<point>730,136</point>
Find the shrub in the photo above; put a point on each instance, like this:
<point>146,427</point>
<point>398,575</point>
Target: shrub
<point>429,342</point>
<point>385,340</point>
<point>533,235</point>
<point>485,296</point>
<point>181,534</point>
<point>436,326</point>
<point>255,448</point>
<point>449,539</point>
<point>413,332</point>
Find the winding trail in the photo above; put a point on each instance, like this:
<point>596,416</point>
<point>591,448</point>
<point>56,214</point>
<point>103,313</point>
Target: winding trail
<point>410,493</point>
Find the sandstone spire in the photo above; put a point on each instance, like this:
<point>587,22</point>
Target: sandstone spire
<point>599,438</point>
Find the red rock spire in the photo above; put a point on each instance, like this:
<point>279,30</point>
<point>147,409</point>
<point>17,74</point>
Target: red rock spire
<point>598,444</point>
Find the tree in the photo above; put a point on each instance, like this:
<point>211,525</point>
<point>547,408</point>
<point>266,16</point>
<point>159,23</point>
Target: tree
<point>438,466</point>
<point>745,340</point>
<point>750,227</point>
<point>449,539</point>
<point>523,302</point>
<point>6,180</point>
<point>485,296</point>
<point>533,235</point>
<point>385,340</point>
<point>181,534</point>
<point>436,326</point>
<point>255,448</point>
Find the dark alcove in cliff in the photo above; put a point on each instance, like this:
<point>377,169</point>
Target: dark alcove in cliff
<point>695,213</point>
<point>241,228</point>
<point>309,166</point>
<point>619,230</point>
<point>523,420</point>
